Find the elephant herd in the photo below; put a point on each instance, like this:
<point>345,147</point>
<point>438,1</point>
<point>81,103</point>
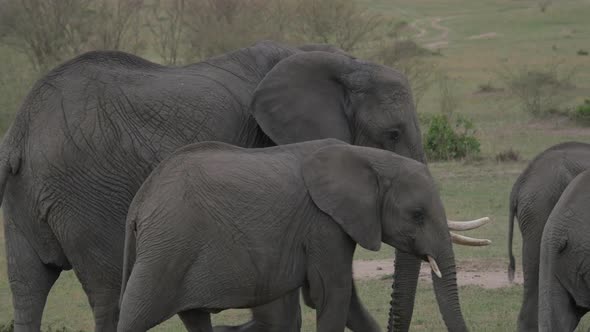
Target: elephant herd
<point>246,179</point>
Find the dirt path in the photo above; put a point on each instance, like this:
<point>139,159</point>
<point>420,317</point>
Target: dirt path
<point>442,39</point>
<point>426,27</point>
<point>486,275</point>
<point>416,25</point>
<point>422,27</point>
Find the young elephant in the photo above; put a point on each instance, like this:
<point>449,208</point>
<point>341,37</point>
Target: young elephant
<point>564,278</point>
<point>533,196</point>
<point>216,227</point>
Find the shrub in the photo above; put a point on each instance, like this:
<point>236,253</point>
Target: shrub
<point>508,155</point>
<point>487,87</point>
<point>425,119</point>
<point>582,113</point>
<point>7,327</point>
<point>538,90</point>
<point>449,98</point>
<point>582,52</point>
<point>447,139</point>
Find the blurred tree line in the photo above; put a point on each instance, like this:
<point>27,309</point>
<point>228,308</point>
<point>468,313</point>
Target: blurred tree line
<point>176,32</point>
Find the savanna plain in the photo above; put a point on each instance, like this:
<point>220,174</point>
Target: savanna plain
<point>471,41</point>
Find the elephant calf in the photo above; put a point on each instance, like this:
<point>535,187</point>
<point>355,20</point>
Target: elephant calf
<point>216,227</point>
<point>564,277</point>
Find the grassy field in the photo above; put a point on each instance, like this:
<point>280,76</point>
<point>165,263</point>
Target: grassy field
<point>516,33</point>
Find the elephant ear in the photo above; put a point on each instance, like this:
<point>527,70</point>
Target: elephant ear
<point>345,186</point>
<point>304,98</point>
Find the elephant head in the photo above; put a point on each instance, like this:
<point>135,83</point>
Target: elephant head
<point>315,95</point>
<point>377,196</point>
<point>564,271</point>
<point>324,93</point>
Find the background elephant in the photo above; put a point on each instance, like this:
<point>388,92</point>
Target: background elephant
<point>216,227</point>
<point>564,277</point>
<point>533,196</point>
<point>91,131</point>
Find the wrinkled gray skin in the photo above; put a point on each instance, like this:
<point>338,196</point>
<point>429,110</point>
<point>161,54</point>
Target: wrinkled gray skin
<point>533,196</point>
<point>91,131</point>
<point>216,227</point>
<point>564,270</point>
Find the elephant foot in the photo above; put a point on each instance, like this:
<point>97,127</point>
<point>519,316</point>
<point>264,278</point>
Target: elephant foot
<point>250,326</point>
<point>22,327</point>
<point>254,326</point>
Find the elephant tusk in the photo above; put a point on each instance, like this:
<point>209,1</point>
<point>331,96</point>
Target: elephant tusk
<point>467,225</point>
<point>469,241</point>
<point>434,266</point>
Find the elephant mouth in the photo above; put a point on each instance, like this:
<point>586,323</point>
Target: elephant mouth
<point>433,264</point>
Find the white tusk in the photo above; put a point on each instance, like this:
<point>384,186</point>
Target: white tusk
<point>467,225</point>
<point>434,267</point>
<point>469,241</point>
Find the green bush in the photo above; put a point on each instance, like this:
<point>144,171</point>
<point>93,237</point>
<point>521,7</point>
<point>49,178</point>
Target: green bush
<point>7,327</point>
<point>448,139</point>
<point>582,113</point>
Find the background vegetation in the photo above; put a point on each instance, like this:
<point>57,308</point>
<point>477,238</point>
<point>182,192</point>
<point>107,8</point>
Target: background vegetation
<point>476,68</point>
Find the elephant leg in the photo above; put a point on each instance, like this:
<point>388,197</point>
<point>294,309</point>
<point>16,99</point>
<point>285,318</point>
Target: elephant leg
<point>105,308</point>
<point>100,273</point>
<point>152,293</point>
<point>30,280</point>
<point>196,320</point>
<point>359,319</point>
<point>528,316</point>
<point>331,293</point>
<point>94,245</point>
<point>283,314</point>
<point>329,274</point>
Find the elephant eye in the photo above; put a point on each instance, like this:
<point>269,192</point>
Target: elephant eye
<point>394,135</point>
<point>418,215</point>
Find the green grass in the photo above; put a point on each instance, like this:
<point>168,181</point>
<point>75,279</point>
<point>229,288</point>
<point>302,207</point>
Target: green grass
<point>469,189</point>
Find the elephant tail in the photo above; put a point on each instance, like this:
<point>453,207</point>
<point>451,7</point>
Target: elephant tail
<point>129,257</point>
<point>512,213</point>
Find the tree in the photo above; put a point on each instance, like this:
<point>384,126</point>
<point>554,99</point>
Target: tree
<point>338,22</point>
<point>167,25</point>
<point>51,31</point>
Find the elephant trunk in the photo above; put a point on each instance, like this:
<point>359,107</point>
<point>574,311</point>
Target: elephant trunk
<point>446,291</point>
<point>405,281</point>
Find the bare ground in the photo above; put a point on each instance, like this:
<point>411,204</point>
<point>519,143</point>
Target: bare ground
<point>489,35</point>
<point>484,274</point>
<point>442,39</point>
<point>421,32</point>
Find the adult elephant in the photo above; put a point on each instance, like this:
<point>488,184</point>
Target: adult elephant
<point>533,196</point>
<point>564,283</point>
<point>91,130</point>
